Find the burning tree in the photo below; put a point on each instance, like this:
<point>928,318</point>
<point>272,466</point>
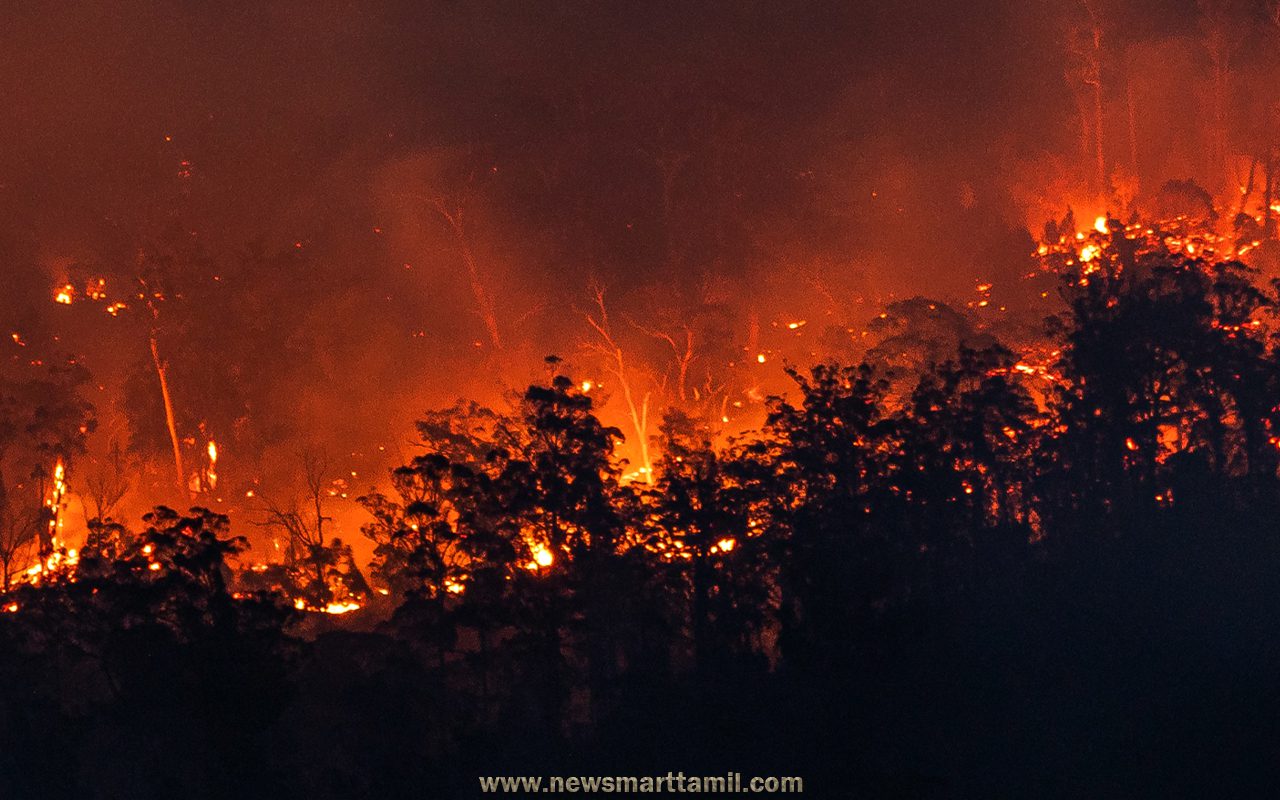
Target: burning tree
<point>43,424</point>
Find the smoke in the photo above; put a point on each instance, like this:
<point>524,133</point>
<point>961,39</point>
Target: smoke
<point>386,206</point>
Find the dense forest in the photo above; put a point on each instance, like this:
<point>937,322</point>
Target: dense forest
<point>967,578</point>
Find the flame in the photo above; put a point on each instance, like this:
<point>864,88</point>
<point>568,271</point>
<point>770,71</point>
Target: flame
<point>1100,225</point>
<point>212,474</point>
<point>726,545</point>
<point>340,608</point>
<point>542,558</point>
<point>54,502</point>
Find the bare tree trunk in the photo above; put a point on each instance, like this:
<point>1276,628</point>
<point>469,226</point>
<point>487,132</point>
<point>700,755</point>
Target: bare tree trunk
<point>484,303</point>
<point>170,421</point>
<point>1247,191</point>
<point>1268,221</point>
<point>1100,164</point>
<point>1220,116</point>
<point>613,351</point>
<point>669,168</point>
<point>1094,81</point>
<point>1132,114</point>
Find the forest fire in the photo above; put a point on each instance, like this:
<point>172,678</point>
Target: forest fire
<point>398,394</point>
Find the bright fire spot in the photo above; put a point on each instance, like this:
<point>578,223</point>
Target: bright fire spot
<point>542,557</point>
<point>453,587</point>
<point>154,566</point>
<point>760,358</point>
<point>12,608</point>
<point>65,295</point>
<point>59,490</point>
<point>340,608</point>
<point>1100,224</point>
<point>587,386</point>
<point>212,450</point>
<point>726,545</point>
<point>1131,444</point>
<point>797,324</point>
<point>1089,252</point>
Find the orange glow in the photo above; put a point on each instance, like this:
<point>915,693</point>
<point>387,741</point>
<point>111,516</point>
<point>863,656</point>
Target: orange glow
<point>340,608</point>
<point>211,473</point>
<point>542,558</point>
